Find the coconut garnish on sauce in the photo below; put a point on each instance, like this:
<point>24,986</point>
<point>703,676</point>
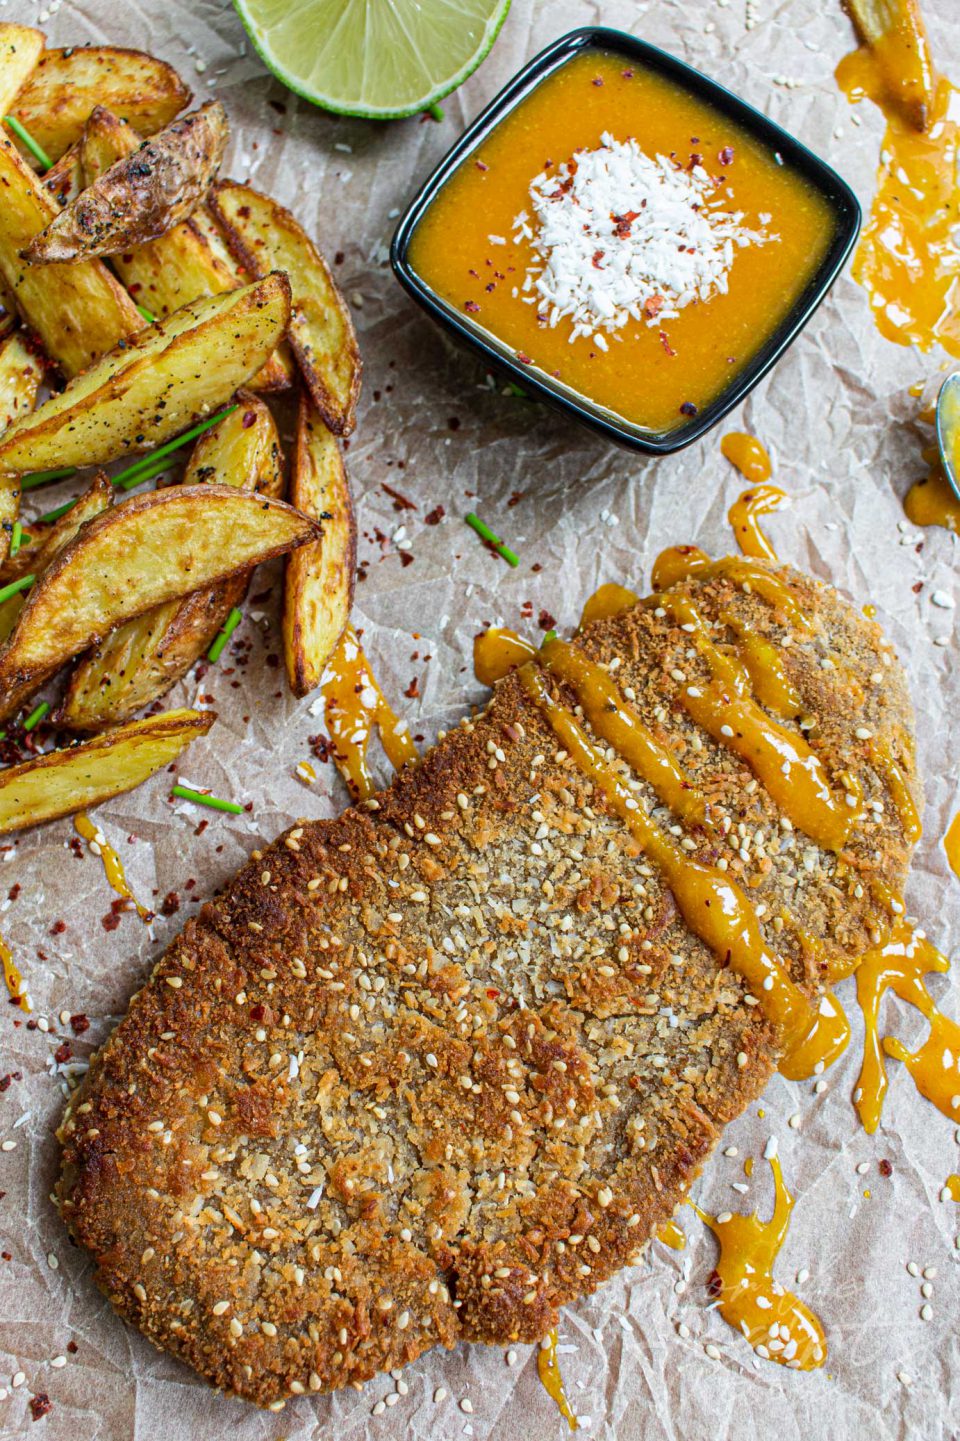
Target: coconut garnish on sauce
<point>619,235</point>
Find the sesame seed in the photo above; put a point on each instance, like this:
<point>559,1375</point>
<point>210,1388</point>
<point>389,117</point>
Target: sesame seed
<point>467,1405</point>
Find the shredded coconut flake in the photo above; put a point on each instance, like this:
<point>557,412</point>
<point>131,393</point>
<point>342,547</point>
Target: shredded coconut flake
<point>621,236</point>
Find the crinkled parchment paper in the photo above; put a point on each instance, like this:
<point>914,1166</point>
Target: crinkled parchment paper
<point>838,418</point>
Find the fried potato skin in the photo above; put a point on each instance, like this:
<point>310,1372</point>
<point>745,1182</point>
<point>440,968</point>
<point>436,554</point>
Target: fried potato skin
<point>140,660</point>
<point>151,549</point>
<point>141,196</point>
<point>34,559</point>
<point>264,236</point>
<point>62,782</point>
<point>20,374</point>
<point>66,84</point>
<point>78,311</point>
<point>319,583</point>
<point>145,391</point>
<point>20,49</point>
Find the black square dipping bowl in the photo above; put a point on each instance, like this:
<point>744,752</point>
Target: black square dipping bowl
<point>837,201</point>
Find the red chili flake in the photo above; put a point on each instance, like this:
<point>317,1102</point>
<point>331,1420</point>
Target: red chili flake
<point>273,660</point>
<point>406,558</point>
<point>14,892</point>
<point>472,306</point>
<point>58,928</point>
<point>400,502</point>
<point>412,691</point>
<point>244,212</point>
<point>249,418</point>
<point>72,1347</point>
<point>714,1285</point>
<point>597,257</point>
<point>257,1012</point>
<point>665,342</point>
<point>688,408</point>
<point>885,1167</point>
<point>480,165</point>
<point>917,587</point>
<point>627,74</point>
<point>695,159</point>
<point>726,155</point>
<point>79,1023</point>
<point>546,621</point>
<point>623,223</point>
<point>40,1405</point>
<point>435,516</point>
<point>598,80</point>
<point>652,306</point>
<point>62,1053</point>
<point>524,358</point>
<point>170,904</point>
<point>110,922</point>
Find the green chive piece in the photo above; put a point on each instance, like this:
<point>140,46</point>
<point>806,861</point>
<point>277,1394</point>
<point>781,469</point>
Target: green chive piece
<point>44,477</point>
<point>149,472</point>
<point>550,635</point>
<point>16,538</point>
<point>57,512</point>
<point>16,586</point>
<point>435,111</point>
<point>224,634</point>
<point>148,315</point>
<point>214,802</point>
<point>36,716</point>
<point>485,533</point>
<point>37,151</point>
<point>126,477</point>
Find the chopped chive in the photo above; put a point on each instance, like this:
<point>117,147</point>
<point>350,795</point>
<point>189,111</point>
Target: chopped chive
<point>36,716</point>
<point>435,111</point>
<point>126,477</point>
<point>37,151</point>
<point>149,472</point>
<point>56,513</point>
<point>16,586</point>
<point>148,315</point>
<point>513,389</point>
<point>224,634</point>
<point>550,635</point>
<point>214,802</point>
<point>485,533</point>
<point>44,477</point>
<point>16,538</point>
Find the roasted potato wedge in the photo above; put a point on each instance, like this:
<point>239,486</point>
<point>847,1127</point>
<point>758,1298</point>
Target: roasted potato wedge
<point>141,197</point>
<point>264,237</point>
<point>896,34</point>
<point>67,84</point>
<point>65,180</point>
<point>20,376</point>
<point>142,394</point>
<point>318,590</point>
<point>142,659</point>
<point>78,311</point>
<point>20,49</point>
<point>34,557</point>
<point>65,781</point>
<point>148,550</point>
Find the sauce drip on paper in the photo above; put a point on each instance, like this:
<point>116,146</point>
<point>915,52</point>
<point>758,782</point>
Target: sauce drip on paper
<point>908,259</point>
<point>778,1325</point>
<point>548,1369</point>
<point>355,706</point>
<point>745,515</point>
<point>672,1235</point>
<point>112,864</point>
<point>951,844</point>
<point>748,455</point>
<point>12,977</point>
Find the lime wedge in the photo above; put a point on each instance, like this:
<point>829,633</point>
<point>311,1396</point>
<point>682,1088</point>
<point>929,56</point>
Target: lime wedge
<point>376,58</point>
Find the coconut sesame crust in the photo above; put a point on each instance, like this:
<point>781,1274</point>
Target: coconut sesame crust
<point>428,1072</point>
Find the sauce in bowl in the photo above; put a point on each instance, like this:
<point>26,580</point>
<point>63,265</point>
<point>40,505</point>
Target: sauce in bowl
<point>649,306</point>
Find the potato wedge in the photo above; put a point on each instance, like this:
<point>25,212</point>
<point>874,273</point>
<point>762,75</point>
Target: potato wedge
<point>154,387</point>
<point>20,49</point>
<point>139,554</point>
<point>62,782</point>
<point>78,311</point>
<point>143,658</point>
<point>67,84</point>
<point>318,589</point>
<point>34,557</point>
<point>896,34</point>
<point>142,196</point>
<point>264,237</point>
<point>65,180</point>
<point>20,376</point>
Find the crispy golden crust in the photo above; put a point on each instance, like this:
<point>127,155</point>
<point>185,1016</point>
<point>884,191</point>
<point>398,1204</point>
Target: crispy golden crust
<point>434,1069</point>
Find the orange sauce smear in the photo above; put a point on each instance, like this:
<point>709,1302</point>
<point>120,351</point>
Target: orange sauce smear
<point>112,864</point>
<point>748,455</point>
<point>640,377</point>
<point>745,515</point>
<point>12,977</point>
<point>953,1187</point>
<point>672,1235</point>
<point>355,706</point>
<point>931,501</point>
<point>778,1325</point>
<point>496,652</point>
<point>548,1369</point>
<point>907,258</point>
<point>951,844</point>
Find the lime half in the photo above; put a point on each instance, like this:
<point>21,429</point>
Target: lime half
<point>376,58</point>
